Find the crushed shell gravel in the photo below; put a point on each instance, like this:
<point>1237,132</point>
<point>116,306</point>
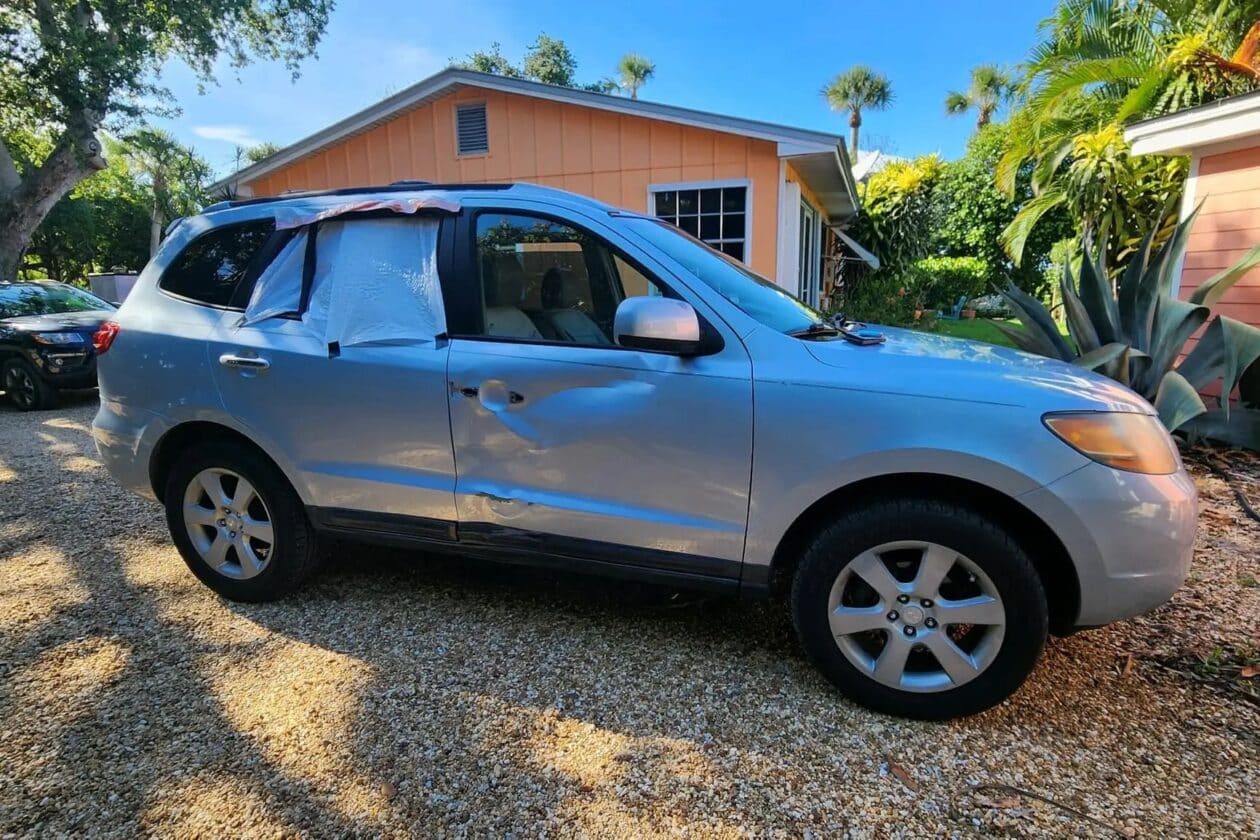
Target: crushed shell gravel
<point>402,695</point>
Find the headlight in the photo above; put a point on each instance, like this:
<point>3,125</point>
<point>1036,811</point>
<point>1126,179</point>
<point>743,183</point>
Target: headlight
<point>56,338</point>
<point>1123,440</point>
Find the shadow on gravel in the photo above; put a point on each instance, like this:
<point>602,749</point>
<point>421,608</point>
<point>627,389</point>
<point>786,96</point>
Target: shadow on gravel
<point>401,693</point>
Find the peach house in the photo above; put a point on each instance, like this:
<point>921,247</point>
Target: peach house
<point>772,196</point>
<point>1223,141</point>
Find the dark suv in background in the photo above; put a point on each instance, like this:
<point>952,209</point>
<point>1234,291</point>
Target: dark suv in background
<point>46,332</point>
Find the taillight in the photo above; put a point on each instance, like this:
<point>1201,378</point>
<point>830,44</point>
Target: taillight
<point>103,338</point>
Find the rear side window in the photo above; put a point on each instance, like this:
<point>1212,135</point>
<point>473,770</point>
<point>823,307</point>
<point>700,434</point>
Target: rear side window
<point>211,267</point>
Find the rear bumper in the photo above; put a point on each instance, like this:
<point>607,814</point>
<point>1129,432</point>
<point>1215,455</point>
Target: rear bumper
<point>125,438</point>
<point>1130,536</point>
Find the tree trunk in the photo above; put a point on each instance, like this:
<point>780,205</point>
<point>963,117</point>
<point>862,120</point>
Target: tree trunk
<point>76,155</point>
<point>155,217</point>
<point>855,123</point>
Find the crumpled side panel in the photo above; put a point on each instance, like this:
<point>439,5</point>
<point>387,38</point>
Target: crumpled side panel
<point>279,287</point>
<point>289,216</point>
<point>376,280</point>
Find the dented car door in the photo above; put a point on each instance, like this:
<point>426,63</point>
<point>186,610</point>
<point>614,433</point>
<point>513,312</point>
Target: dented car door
<point>572,446</point>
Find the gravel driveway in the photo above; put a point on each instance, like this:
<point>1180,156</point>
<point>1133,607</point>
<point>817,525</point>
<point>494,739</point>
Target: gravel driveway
<point>403,695</point>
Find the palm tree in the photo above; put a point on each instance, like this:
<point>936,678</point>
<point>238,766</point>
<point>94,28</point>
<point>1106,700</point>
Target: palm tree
<point>991,88</point>
<point>1101,64</point>
<point>855,89</point>
<point>635,70</point>
<point>174,174</point>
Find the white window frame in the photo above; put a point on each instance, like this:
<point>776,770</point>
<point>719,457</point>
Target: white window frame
<point>746,183</point>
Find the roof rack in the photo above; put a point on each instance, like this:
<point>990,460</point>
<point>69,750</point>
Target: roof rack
<point>396,186</point>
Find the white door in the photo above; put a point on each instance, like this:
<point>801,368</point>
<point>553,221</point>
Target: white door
<point>811,255</point>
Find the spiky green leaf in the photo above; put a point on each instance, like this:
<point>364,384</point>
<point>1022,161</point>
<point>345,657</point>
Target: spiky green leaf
<point>1099,299</point>
<point>1111,360</point>
<point>1216,286</point>
<point>1022,339</point>
<point>1080,327</point>
<point>1038,322</point>
<point>1177,401</point>
<point>1239,428</point>
<point>1175,321</point>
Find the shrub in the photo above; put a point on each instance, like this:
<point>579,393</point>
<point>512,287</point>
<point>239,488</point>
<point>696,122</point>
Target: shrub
<point>881,298</point>
<point>941,281</point>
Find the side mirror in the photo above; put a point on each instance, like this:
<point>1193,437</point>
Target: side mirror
<point>661,324</point>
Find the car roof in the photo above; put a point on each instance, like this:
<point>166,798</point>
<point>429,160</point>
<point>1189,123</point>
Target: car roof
<point>402,188</point>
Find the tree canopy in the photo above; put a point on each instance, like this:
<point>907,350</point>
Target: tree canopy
<point>856,90</point>
<point>71,66</point>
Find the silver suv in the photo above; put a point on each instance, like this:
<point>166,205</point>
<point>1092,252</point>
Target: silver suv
<point>521,374</point>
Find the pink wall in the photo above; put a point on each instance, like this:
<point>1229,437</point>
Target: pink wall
<point>1228,226</point>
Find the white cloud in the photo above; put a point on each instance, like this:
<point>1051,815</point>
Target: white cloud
<point>237,135</point>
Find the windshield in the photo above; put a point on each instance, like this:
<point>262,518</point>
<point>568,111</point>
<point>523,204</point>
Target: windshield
<point>756,296</point>
<point>46,299</point>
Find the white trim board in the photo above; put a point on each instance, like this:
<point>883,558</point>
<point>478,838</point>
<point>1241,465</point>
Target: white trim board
<point>1218,124</point>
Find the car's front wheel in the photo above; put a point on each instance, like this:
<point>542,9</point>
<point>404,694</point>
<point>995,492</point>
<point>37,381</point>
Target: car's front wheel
<point>920,608</point>
<point>238,523</point>
<point>26,390</point>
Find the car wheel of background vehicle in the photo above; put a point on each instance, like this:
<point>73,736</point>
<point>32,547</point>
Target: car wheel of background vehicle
<point>240,527</point>
<point>25,389</point>
<point>920,608</point>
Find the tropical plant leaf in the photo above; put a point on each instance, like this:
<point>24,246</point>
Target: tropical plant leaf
<point>1017,232</point>
<point>1136,293</point>
<point>1037,321</point>
<point>1239,428</point>
<point>1216,286</point>
<point>1226,350</point>
<point>1111,360</point>
<point>1175,321</point>
<point>1169,262</point>
<point>1080,327</point>
<point>1023,339</point>
<point>1177,401</point>
<point>1098,299</point>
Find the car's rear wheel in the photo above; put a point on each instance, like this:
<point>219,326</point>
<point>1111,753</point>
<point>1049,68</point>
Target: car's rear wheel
<point>920,608</point>
<point>26,390</point>
<point>238,523</point>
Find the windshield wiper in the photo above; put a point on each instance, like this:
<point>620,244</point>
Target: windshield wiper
<point>817,328</point>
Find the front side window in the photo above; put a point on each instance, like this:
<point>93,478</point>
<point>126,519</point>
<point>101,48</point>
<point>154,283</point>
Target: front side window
<point>542,280</point>
<point>717,216</point>
<point>46,299</point>
<point>209,269</point>
<point>755,295</point>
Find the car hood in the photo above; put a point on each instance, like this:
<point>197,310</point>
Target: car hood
<point>924,364</point>
<point>58,322</point>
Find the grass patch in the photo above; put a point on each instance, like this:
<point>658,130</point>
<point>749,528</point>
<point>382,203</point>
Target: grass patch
<point>976,329</point>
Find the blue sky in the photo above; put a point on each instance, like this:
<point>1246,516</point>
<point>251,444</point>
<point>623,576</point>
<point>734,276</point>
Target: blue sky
<point>758,60</point>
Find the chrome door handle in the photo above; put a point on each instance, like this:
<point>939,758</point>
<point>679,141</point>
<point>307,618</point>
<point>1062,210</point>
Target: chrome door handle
<point>230,360</point>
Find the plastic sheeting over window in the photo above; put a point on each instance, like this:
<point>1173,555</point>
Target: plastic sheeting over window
<point>294,216</point>
<point>375,281</point>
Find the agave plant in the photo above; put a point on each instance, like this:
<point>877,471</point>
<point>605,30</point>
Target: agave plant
<point>1130,327</point>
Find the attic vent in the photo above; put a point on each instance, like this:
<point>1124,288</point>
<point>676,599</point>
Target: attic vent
<point>470,129</point>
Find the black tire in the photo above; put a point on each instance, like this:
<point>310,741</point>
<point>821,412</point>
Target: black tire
<point>985,543</point>
<point>294,554</point>
<point>25,388</point>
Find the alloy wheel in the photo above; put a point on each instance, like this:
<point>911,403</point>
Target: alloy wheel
<point>916,616</point>
<point>20,387</point>
<point>228,523</point>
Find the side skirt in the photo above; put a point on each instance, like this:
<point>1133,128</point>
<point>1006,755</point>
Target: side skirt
<point>500,544</point>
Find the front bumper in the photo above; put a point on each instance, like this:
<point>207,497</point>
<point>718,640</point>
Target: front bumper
<point>1130,536</point>
<point>65,367</point>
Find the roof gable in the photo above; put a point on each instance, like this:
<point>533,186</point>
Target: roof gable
<point>452,79</point>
